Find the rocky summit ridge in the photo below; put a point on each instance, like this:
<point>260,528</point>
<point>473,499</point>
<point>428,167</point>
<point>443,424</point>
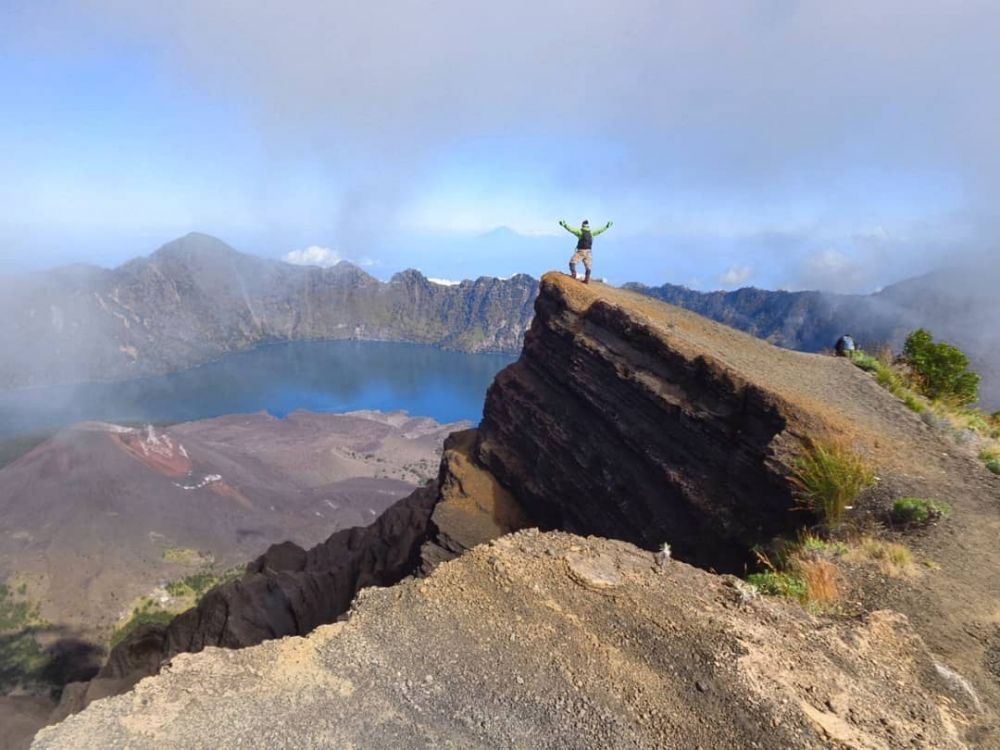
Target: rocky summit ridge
<point>626,423</point>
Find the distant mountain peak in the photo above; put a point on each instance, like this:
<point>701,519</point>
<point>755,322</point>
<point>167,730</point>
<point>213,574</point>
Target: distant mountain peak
<point>195,243</point>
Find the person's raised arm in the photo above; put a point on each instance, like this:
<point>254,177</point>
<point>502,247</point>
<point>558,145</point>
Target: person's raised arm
<point>603,229</point>
<point>568,228</point>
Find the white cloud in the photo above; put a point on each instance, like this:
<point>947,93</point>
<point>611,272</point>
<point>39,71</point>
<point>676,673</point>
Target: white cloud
<point>829,261</point>
<point>444,282</point>
<point>834,271</point>
<point>736,275</point>
<point>314,255</point>
<point>324,257</point>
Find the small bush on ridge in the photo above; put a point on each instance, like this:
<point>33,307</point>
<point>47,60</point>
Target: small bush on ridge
<point>918,511</point>
<point>942,369</point>
<point>866,362</point>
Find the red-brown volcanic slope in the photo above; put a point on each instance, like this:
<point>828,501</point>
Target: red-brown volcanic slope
<point>100,515</point>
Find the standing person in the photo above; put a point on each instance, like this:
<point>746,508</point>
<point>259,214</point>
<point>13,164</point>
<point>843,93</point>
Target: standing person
<point>845,346</point>
<point>583,246</point>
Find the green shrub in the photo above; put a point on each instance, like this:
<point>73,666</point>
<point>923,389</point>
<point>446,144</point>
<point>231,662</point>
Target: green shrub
<point>830,476</point>
<point>22,659</point>
<point>196,585</point>
<point>886,378</point>
<point>775,583</point>
<point>147,612</point>
<point>942,370</point>
<point>16,612</point>
<point>918,511</point>
<point>913,403</point>
<point>866,362</point>
<point>993,465</point>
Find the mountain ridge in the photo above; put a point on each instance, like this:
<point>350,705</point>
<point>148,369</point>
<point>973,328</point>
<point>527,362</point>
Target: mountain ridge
<point>958,305</point>
<point>196,298</point>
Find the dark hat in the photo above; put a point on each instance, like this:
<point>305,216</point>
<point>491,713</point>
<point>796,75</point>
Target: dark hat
<point>586,223</point>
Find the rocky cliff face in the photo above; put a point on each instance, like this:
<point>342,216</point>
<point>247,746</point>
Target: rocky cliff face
<point>196,299</point>
<point>609,425</point>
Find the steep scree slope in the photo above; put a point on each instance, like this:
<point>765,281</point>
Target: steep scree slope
<point>89,518</point>
<point>549,641</point>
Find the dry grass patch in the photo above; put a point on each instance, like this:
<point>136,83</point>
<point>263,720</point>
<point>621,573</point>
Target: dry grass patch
<point>893,559</point>
<point>808,576</point>
<point>822,581</point>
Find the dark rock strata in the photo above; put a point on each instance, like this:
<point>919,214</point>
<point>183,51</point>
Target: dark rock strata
<point>605,427</point>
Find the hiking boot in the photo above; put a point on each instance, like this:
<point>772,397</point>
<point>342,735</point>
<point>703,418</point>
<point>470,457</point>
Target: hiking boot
<point>586,278</point>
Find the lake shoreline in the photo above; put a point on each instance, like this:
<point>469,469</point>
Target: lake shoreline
<point>279,377</point>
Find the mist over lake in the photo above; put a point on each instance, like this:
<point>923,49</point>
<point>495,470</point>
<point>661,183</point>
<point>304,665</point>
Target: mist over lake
<point>324,376</point>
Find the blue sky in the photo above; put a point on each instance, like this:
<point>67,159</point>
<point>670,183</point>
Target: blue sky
<point>774,143</point>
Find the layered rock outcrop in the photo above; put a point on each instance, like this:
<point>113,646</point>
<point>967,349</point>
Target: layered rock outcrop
<point>613,424</point>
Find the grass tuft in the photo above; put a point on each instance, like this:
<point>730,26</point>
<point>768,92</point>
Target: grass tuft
<point>918,511</point>
<point>913,403</point>
<point>148,612</point>
<point>817,545</point>
<point>811,580</point>
<point>830,476</point>
<point>866,362</point>
<point>777,583</point>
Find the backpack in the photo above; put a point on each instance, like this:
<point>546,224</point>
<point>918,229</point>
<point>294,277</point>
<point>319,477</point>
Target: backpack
<point>586,240</point>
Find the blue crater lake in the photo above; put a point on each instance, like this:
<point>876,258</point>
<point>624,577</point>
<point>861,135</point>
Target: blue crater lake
<point>324,376</point>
